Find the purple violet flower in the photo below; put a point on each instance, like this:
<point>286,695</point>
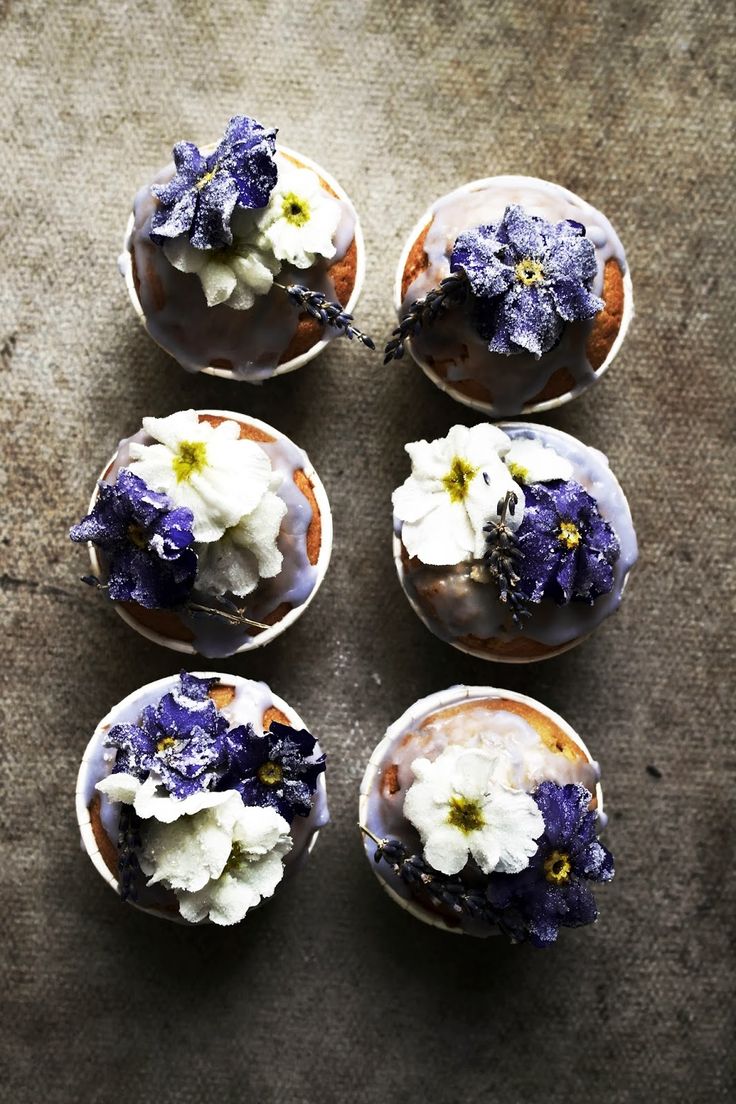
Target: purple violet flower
<point>147,543</point>
<point>552,892</point>
<point>276,769</point>
<point>529,277</point>
<point>181,739</point>
<point>199,200</point>
<point>568,549</point>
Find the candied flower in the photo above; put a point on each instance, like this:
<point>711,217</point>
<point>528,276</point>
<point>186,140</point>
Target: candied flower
<point>568,549</point>
<point>531,461</point>
<point>234,276</point>
<point>459,809</point>
<point>220,861</point>
<point>454,489</point>
<point>529,277</point>
<point>146,541</point>
<point>179,740</point>
<point>301,218</point>
<point>210,469</point>
<point>277,769</point>
<point>553,892</point>
<point>201,197</point>
<point>247,552</point>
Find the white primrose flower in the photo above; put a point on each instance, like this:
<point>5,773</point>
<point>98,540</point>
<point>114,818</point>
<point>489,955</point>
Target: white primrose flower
<point>530,461</point>
<point>300,220</point>
<point>234,276</point>
<point>246,552</point>
<point>454,490</point>
<point>151,800</point>
<point>221,861</point>
<point>459,809</point>
<point>209,469</point>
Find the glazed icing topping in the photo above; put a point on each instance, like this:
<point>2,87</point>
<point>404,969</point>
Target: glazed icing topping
<point>512,381</point>
<point>252,342</point>
<point>294,582</point>
<point>427,733</point>
<point>251,701</point>
<point>463,606</point>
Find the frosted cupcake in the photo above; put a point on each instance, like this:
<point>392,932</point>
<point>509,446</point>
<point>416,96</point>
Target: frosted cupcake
<point>513,295</point>
<point>210,531</point>
<point>511,542</point>
<point>197,794</point>
<point>481,809</point>
<point>243,259</point>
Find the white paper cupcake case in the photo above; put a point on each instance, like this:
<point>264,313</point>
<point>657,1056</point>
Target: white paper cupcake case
<point>89,843</point>
<point>447,386</point>
<point>412,717</point>
<point>289,618</point>
<point>126,268</point>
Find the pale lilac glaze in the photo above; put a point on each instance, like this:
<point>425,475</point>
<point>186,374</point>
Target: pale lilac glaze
<point>464,607</point>
<point>295,582</point>
<point>252,699</point>
<point>425,731</point>
<point>252,341</point>
<point>512,380</point>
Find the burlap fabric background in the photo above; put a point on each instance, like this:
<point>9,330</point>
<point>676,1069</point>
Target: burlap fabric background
<point>330,993</point>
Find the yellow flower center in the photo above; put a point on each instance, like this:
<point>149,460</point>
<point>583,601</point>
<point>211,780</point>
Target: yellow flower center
<point>519,473</point>
<point>204,180</point>
<point>135,535</point>
<point>270,774</point>
<point>465,814</point>
<point>190,459</point>
<point>557,868</point>
<point>529,271</point>
<point>458,479</point>
<point>569,534</point>
<point>165,742</point>
<point>235,859</point>
<point>295,209</point>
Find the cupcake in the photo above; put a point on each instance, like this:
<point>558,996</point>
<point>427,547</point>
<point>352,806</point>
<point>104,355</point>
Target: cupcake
<point>197,794</point>
<point>210,531</point>
<point>513,295</point>
<point>480,811</point>
<point>511,542</point>
<point>243,259</point>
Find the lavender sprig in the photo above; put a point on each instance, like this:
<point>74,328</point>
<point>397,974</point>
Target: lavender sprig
<point>501,557</point>
<point>234,615</point>
<point>452,291</point>
<point>325,311</point>
<point>129,844</point>
<point>442,890</point>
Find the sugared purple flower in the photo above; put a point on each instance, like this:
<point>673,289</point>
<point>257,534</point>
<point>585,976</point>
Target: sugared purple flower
<point>180,739</point>
<point>199,200</point>
<point>553,891</point>
<point>529,277</point>
<point>278,768</point>
<point>568,549</point>
<point>147,543</point>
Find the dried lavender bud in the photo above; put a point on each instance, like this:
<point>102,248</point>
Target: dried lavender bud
<point>451,292</point>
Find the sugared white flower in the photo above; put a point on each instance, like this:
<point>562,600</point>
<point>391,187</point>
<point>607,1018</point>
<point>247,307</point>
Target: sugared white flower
<point>530,461</point>
<point>247,552</point>
<point>454,489</point>
<point>151,800</point>
<point>220,862</point>
<point>460,809</point>
<point>210,469</point>
<point>235,275</point>
<point>301,218</point>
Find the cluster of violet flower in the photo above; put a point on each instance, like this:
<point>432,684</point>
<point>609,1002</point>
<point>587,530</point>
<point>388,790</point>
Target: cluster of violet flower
<point>187,744</point>
<point>527,278</point>
<point>146,541</point>
<point>553,891</point>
